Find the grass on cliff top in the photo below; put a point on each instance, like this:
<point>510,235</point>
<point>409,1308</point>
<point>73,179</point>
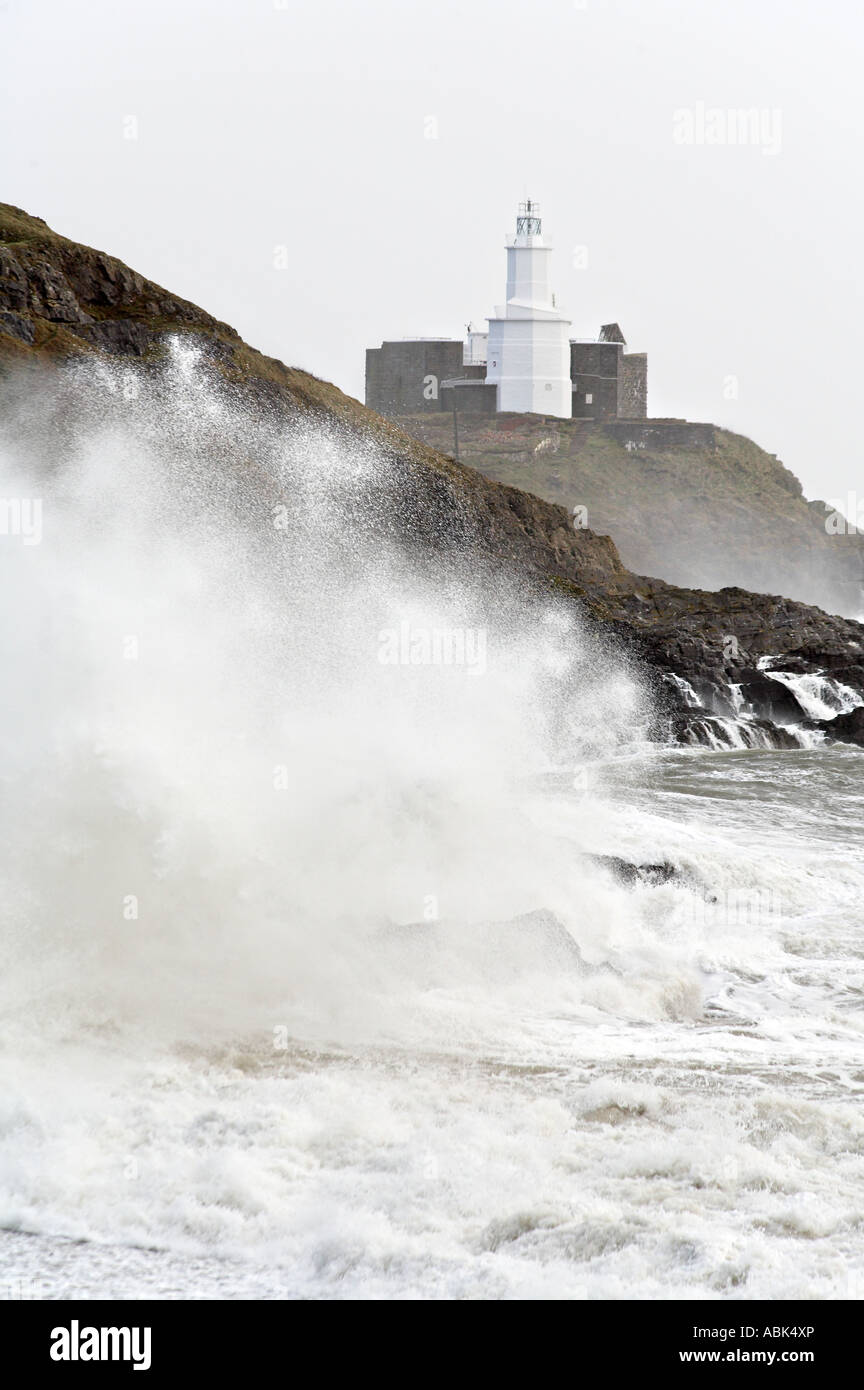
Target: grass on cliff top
<point>17,226</point>
<point>594,468</point>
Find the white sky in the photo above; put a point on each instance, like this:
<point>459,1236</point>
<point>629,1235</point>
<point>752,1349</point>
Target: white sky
<point>302,124</point>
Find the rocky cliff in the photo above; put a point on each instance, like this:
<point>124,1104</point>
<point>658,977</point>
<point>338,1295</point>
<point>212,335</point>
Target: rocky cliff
<point>707,654</point>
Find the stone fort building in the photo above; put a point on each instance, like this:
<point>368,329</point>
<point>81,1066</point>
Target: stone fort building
<point>526,362</point>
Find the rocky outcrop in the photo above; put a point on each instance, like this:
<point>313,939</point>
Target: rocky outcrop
<point>703,653</point>
<point>846,728</point>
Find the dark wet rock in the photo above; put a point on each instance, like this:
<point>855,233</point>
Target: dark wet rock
<point>626,872</point>
<point>14,282</point>
<point>698,730</point>
<point>120,336</point>
<point>17,326</point>
<point>772,699</point>
<point>714,696</point>
<point>762,733</point>
<point>846,728</point>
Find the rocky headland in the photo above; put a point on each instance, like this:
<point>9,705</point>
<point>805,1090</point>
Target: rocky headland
<point>728,668</point>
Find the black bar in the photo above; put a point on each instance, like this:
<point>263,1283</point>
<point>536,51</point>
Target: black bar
<point>220,1339</point>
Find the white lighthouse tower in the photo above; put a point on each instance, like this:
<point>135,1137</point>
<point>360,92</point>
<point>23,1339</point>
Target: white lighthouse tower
<point>528,355</point>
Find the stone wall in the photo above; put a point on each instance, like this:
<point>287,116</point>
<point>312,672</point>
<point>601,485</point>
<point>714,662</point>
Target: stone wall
<point>633,386</point>
<point>477,399</point>
<point>661,434</point>
<point>594,371</point>
<point>404,377</point>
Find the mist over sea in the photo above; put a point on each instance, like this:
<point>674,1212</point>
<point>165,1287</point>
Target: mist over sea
<point>318,979</point>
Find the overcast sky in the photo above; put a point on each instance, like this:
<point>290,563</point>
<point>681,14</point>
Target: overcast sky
<point>326,173</point>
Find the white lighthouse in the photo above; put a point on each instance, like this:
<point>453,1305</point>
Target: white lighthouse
<point>528,354</point>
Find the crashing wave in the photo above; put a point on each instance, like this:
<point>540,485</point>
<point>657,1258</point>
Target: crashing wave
<point>820,696</point>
